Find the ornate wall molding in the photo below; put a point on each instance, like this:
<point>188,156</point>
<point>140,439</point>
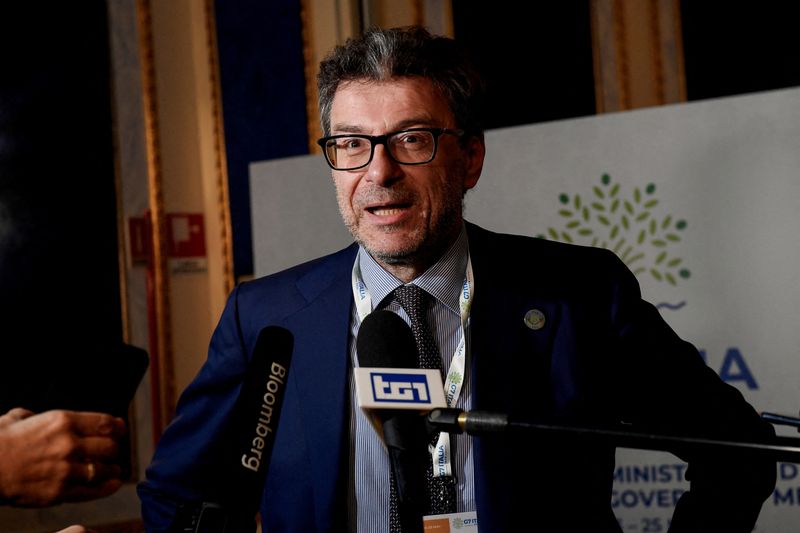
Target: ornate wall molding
<point>220,158</point>
<point>161,357</point>
<point>638,54</point>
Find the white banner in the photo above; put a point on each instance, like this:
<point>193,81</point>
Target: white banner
<point>702,201</point>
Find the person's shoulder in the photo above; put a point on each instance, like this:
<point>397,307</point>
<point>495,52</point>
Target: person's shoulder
<point>266,300</point>
<point>562,264</point>
<point>539,249</point>
<point>318,272</point>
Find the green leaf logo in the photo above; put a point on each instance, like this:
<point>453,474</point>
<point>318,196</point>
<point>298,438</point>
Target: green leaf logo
<point>628,225</point>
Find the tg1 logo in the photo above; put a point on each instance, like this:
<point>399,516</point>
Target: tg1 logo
<point>396,387</point>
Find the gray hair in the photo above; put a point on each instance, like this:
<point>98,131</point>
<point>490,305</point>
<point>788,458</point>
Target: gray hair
<point>383,54</point>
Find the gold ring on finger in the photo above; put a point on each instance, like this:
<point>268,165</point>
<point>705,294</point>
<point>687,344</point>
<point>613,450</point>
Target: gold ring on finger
<point>91,471</point>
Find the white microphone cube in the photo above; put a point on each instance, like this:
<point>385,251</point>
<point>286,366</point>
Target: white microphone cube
<point>413,389</point>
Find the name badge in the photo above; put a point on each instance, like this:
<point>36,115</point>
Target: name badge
<point>454,522</point>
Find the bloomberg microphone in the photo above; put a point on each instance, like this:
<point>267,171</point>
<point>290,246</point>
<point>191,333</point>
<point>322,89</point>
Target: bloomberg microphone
<point>251,437</point>
<point>390,382</point>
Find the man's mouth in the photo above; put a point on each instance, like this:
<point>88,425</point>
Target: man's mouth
<point>388,210</point>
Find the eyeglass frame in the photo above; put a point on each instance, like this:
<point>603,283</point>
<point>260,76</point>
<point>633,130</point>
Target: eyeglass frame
<point>382,139</point>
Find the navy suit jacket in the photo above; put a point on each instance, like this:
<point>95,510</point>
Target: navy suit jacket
<point>603,356</point>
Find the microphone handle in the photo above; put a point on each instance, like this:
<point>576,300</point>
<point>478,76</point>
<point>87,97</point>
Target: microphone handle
<point>781,420</point>
<point>248,443</point>
<point>405,438</point>
<point>210,517</point>
<point>482,422</point>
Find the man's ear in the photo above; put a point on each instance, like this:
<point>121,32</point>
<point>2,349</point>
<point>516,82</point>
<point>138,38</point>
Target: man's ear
<point>475,151</point>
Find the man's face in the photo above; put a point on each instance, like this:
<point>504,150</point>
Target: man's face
<point>403,214</point>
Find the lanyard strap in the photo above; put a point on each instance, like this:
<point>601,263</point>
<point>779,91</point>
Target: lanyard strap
<point>440,454</point>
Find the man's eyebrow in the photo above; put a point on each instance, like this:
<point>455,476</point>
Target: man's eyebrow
<point>346,128</point>
<point>418,122</point>
<point>403,124</point>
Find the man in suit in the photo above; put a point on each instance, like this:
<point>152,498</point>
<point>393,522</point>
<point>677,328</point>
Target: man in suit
<point>537,329</point>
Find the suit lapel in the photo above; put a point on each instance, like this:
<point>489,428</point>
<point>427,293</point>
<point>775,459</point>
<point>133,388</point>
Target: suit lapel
<point>320,371</point>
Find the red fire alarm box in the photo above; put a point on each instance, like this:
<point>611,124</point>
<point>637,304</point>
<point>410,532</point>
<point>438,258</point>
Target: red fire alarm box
<point>186,243</point>
<point>186,235</point>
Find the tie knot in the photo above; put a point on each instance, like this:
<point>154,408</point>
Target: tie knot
<point>412,299</point>
<point>415,303</point>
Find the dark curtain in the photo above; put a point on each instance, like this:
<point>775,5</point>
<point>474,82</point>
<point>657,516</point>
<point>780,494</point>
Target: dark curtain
<point>263,99</point>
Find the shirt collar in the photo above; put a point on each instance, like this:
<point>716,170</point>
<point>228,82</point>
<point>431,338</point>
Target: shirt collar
<point>443,280</point>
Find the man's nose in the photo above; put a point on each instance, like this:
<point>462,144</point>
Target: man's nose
<point>382,170</point>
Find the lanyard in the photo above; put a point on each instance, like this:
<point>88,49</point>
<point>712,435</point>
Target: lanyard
<point>440,454</point>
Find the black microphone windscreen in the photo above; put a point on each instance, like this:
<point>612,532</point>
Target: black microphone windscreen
<point>385,341</point>
<point>255,419</point>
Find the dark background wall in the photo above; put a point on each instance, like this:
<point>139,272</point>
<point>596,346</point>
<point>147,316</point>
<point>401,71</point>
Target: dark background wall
<point>740,47</point>
<point>59,277</point>
<point>536,59</point>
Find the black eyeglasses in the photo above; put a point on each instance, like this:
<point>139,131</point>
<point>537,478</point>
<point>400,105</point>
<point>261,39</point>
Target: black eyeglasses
<point>414,146</point>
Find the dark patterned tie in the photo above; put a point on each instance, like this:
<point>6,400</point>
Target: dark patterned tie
<point>441,490</point>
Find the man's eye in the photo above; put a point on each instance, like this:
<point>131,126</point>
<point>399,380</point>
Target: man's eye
<point>352,144</point>
<point>415,141</point>
<point>410,138</point>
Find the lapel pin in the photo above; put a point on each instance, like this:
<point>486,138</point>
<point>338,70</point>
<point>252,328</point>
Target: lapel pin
<point>534,319</point>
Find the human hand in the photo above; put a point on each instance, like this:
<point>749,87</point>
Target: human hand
<point>58,456</point>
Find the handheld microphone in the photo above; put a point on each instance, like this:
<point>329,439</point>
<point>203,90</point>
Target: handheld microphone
<point>251,437</point>
<point>385,341</point>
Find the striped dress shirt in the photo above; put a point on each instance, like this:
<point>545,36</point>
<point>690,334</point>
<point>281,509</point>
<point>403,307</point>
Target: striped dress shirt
<point>368,498</point>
